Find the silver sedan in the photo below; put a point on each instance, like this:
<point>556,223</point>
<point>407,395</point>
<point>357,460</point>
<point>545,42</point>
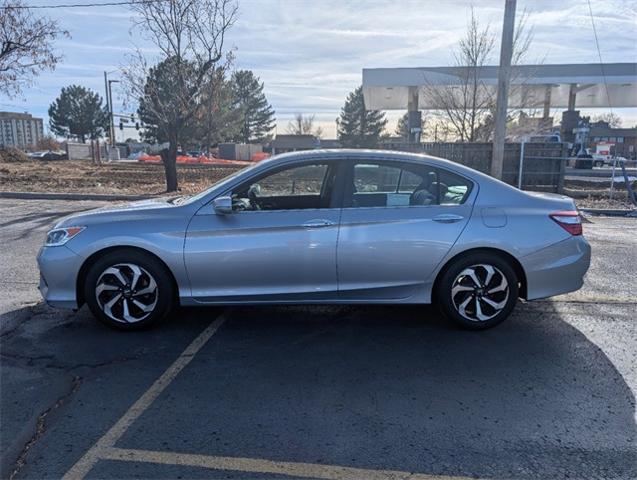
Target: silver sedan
<point>334,226</point>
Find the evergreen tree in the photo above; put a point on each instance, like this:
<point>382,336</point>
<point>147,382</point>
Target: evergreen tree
<point>256,114</point>
<point>358,127</point>
<point>78,112</point>
<point>218,120</point>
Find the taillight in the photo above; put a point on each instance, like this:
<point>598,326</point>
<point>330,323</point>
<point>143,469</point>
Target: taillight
<point>569,220</point>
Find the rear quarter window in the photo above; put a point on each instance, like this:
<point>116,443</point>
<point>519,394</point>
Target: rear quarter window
<point>454,189</point>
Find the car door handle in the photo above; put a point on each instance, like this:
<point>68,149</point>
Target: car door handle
<point>447,218</point>
<point>318,223</point>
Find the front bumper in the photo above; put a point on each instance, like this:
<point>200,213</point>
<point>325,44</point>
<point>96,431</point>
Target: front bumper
<point>59,267</point>
<point>557,269</point>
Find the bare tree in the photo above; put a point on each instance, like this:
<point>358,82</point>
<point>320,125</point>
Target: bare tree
<point>613,120</point>
<point>190,37</point>
<point>303,125</point>
<point>25,46</point>
<point>468,104</point>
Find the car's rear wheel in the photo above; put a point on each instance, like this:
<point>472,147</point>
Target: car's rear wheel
<point>128,290</point>
<point>478,291</point>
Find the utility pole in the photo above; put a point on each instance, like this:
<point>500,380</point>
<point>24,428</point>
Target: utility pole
<point>108,105</point>
<point>504,75</point>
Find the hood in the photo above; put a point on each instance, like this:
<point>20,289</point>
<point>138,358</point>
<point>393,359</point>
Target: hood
<point>118,211</point>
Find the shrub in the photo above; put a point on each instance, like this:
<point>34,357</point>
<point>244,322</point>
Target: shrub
<point>11,154</point>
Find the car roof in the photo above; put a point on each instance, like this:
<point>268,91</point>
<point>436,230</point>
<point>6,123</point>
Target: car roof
<point>351,154</point>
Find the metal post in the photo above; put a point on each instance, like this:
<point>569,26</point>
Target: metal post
<point>504,74</point>
<point>631,195</point>
<point>612,179</point>
<point>521,166</point>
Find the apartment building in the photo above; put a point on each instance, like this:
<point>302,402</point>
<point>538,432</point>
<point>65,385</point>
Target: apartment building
<point>20,130</point>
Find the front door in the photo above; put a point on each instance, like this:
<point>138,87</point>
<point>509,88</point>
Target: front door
<point>398,222</point>
<point>278,244</point>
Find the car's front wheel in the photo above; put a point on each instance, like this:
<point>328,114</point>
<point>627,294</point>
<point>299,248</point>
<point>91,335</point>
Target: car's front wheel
<point>478,291</point>
<point>128,290</point>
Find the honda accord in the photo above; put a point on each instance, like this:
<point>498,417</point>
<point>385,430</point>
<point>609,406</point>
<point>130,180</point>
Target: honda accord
<point>322,226</point>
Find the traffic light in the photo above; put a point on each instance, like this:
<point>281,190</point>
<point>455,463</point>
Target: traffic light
<point>121,125</point>
<point>136,125</point>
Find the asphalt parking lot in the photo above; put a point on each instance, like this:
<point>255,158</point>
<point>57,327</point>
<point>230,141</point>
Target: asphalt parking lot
<point>320,392</point>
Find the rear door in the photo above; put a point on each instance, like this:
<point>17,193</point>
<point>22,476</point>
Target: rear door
<point>398,222</point>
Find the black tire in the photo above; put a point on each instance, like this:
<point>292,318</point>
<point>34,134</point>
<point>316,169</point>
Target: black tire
<point>161,300</point>
<point>477,262</point>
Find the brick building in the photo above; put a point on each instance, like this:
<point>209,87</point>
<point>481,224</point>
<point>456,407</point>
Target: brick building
<point>624,139</point>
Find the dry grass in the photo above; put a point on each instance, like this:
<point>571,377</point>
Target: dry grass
<point>70,176</point>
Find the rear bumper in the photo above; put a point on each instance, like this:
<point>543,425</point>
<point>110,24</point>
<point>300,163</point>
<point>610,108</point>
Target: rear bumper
<point>59,267</point>
<point>557,269</point>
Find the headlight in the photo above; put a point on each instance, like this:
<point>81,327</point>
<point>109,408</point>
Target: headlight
<point>59,236</point>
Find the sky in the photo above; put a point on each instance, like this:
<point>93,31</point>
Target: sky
<point>310,53</point>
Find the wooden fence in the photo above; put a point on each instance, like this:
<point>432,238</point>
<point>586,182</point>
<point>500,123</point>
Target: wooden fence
<point>543,167</point>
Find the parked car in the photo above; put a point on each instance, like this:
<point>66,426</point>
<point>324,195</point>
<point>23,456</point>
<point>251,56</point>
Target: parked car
<point>332,226</point>
<point>49,155</point>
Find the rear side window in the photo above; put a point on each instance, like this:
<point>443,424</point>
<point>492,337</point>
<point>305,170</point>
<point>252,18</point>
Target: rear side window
<point>405,185</point>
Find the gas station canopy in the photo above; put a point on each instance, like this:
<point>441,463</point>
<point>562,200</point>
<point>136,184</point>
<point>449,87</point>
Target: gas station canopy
<point>569,86</point>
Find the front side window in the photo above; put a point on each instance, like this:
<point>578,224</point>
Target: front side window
<point>293,188</point>
<point>405,185</point>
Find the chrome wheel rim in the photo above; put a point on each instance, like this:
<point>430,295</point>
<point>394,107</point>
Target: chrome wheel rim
<point>480,292</point>
<point>126,293</point>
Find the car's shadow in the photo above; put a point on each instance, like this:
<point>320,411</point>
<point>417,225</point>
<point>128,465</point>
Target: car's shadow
<point>398,388</point>
<point>377,387</point>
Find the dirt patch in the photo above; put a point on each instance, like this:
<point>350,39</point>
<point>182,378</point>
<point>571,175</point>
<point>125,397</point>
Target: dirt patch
<point>77,176</point>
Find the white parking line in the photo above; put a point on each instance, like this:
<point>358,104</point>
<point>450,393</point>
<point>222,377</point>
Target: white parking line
<point>90,458</point>
<point>104,448</point>
<point>257,465</point>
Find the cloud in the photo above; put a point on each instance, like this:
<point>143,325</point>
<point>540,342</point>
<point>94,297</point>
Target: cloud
<point>310,54</point>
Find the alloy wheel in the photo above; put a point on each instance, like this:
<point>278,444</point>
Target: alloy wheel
<point>126,292</point>
<point>480,292</point>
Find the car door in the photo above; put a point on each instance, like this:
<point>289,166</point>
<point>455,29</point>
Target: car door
<point>278,244</point>
<point>398,222</point>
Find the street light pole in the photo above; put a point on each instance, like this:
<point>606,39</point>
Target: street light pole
<point>504,75</point>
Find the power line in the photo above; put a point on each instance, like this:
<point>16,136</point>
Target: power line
<point>76,5</point>
<point>599,54</point>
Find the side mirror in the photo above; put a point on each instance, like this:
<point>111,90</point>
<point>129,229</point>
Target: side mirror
<point>222,205</point>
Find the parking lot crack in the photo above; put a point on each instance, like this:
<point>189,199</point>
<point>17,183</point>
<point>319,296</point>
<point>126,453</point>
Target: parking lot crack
<point>106,363</point>
<point>31,360</point>
<point>40,426</point>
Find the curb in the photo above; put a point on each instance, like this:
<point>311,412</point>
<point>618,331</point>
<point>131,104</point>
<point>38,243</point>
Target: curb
<point>610,212</point>
<point>71,196</point>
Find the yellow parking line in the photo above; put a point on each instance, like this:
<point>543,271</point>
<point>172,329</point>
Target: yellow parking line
<point>90,458</point>
<point>257,465</point>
